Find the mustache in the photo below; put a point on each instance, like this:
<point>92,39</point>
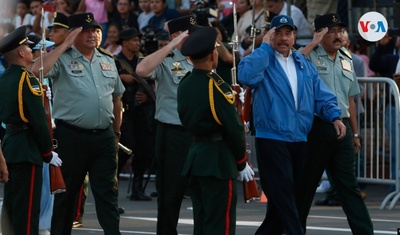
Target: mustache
<point>337,40</point>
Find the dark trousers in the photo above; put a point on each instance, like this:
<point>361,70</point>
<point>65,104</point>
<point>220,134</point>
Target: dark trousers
<point>172,147</point>
<point>280,165</point>
<point>214,205</point>
<point>21,204</point>
<point>82,153</point>
<point>337,156</point>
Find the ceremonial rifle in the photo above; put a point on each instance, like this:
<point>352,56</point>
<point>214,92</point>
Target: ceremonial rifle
<point>57,184</point>
<point>250,189</point>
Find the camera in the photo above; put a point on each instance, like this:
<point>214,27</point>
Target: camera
<point>203,11</point>
<point>149,40</point>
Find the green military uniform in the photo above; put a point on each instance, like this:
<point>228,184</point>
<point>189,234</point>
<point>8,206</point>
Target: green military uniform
<point>206,109</point>
<point>326,151</point>
<point>83,109</point>
<point>26,144</point>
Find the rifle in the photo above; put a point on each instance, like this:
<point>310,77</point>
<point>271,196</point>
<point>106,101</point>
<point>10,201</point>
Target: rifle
<point>57,184</point>
<point>250,189</point>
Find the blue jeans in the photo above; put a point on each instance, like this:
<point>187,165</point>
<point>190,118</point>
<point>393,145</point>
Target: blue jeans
<point>390,119</point>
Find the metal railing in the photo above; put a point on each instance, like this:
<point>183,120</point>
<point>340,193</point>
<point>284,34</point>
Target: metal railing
<point>378,125</point>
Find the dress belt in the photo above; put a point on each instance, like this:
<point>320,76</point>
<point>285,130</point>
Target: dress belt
<point>80,129</point>
<point>19,126</point>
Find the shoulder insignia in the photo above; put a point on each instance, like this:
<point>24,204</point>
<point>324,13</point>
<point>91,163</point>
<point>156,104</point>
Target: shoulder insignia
<point>171,54</point>
<point>105,52</point>
<point>218,83</point>
<point>345,52</point>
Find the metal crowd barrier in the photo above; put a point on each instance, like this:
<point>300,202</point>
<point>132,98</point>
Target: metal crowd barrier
<point>374,162</point>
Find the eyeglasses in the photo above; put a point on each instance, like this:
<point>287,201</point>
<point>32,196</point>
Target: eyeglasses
<point>335,31</point>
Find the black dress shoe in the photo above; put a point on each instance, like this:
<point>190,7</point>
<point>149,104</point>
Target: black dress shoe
<point>153,194</point>
<point>121,210</point>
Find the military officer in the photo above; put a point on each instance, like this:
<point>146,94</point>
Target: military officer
<point>206,109</point>
<point>27,143</point>
<point>87,110</point>
<point>336,70</point>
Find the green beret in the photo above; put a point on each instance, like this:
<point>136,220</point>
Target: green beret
<point>327,20</point>
<point>60,20</point>
<point>14,39</point>
<point>84,20</point>
<point>182,24</point>
<point>200,43</point>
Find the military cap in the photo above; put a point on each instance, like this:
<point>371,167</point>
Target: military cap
<point>282,20</point>
<point>127,34</point>
<point>268,18</point>
<point>84,20</point>
<point>163,35</point>
<point>60,20</point>
<point>200,43</point>
<point>327,20</point>
<point>182,24</point>
<point>14,39</point>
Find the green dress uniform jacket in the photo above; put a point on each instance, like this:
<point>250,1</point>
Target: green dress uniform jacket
<point>210,155</point>
<point>21,104</point>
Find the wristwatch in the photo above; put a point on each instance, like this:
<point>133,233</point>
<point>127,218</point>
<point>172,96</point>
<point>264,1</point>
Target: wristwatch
<point>356,135</point>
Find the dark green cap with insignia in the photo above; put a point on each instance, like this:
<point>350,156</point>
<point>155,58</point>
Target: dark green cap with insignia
<point>327,20</point>
<point>14,39</point>
<point>182,24</point>
<point>200,43</point>
<point>84,20</point>
<point>127,34</point>
<point>60,20</point>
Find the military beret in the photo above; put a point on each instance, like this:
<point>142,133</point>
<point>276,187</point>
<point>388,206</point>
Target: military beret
<point>14,39</point>
<point>327,20</point>
<point>282,20</point>
<point>127,34</point>
<point>182,24</point>
<point>84,20</point>
<point>268,18</point>
<point>60,20</point>
<point>200,43</point>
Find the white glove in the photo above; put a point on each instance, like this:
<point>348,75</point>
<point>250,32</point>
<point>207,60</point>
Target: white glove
<point>48,93</point>
<point>55,160</point>
<point>241,95</point>
<point>246,174</point>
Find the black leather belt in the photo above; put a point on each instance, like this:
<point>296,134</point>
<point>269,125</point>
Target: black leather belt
<point>208,138</point>
<point>77,128</point>
<point>16,127</point>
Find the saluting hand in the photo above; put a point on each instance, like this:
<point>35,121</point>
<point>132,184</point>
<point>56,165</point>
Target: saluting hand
<point>268,36</point>
<point>71,36</point>
<point>179,39</point>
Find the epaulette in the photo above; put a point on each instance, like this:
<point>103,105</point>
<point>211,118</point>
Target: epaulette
<point>346,52</point>
<point>216,81</point>
<point>35,89</point>
<point>105,52</point>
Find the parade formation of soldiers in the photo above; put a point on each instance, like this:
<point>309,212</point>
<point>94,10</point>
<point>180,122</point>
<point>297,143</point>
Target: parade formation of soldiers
<point>181,119</point>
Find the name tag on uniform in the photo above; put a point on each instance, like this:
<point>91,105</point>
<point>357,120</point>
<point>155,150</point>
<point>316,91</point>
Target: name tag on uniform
<point>346,65</point>
<point>106,66</point>
<point>75,67</point>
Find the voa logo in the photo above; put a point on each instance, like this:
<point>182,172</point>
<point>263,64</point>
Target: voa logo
<point>372,26</point>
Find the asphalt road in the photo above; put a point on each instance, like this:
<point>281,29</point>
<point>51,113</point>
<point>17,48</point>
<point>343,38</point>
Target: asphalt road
<point>140,217</point>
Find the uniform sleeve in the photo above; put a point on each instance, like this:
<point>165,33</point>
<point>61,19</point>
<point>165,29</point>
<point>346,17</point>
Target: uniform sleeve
<point>34,112</point>
<point>233,131</point>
